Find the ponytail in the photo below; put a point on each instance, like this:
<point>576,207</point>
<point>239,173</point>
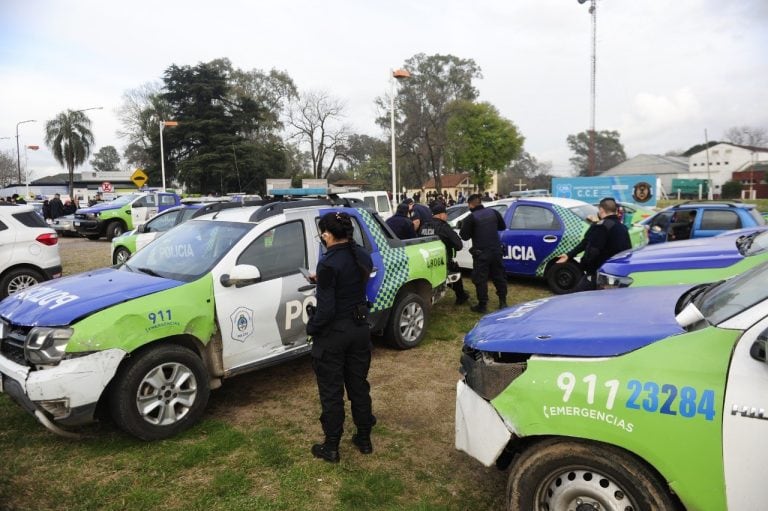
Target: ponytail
<point>340,225</point>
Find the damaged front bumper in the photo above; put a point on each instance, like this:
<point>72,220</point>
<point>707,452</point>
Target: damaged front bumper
<point>480,430</point>
<point>63,395</point>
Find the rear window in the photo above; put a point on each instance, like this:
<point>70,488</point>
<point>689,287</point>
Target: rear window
<point>718,219</point>
<point>30,219</point>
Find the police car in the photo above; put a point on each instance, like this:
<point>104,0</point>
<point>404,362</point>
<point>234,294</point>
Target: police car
<point>214,297</point>
<point>592,404</point>
<point>538,230</point>
<point>687,262</point>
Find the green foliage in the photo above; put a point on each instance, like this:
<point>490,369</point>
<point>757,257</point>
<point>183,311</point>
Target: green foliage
<point>609,151</point>
<point>106,159</point>
<point>732,190</point>
<point>526,173</point>
<point>368,159</point>
<point>481,140</point>
<point>422,112</point>
<point>70,139</point>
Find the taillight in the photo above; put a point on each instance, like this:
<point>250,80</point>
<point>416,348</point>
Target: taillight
<point>49,239</point>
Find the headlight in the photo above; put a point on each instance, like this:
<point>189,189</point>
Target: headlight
<point>46,346</point>
<point>607,281</point>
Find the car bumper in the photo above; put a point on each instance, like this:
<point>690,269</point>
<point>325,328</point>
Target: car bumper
<point>86,227</point>
<point>54,272</point>
<point>68,393</point>
<point>480,430</point>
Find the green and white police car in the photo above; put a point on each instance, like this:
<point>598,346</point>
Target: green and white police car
<point>649,398</point>
<point>212,298</point>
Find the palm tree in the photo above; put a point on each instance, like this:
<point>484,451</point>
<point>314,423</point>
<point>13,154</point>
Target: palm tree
<point>69,137</point>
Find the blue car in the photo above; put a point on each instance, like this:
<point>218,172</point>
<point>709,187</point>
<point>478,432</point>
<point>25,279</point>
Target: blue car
<point>700,220</point>
<point>693,261</point>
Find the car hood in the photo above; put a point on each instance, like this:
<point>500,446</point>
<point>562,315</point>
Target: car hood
<point>588,324</point>
<point>699,253</point>
<point>63,301</point>
<point>96,208</point>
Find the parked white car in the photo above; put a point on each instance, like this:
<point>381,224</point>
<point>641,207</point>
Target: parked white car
<point>29,249</point>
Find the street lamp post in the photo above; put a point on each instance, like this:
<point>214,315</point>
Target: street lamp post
<point>163,124</point>
<point>397,74</point>
<point>18,151</point>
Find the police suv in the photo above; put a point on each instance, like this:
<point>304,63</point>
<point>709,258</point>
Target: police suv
<point>214,297</point>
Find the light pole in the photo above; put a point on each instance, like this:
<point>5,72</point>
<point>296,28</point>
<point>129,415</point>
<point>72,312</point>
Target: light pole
<point>163,124</point>
<point>18,151</point>
<point>92,108</point>
<point>592,86</point>
<point>397,74</point>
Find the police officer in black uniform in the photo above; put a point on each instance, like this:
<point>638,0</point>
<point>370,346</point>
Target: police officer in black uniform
<point>482,226</point>
<point>438,226</point>
<point>341,348</point>
<point>602,241</point>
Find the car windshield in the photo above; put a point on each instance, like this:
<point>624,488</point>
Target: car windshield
<point>188,251</point>
<point>123,199</point>
<point>734,295</point>
<point>584,211</point>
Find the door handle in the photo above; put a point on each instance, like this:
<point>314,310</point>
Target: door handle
<point>549,239</point>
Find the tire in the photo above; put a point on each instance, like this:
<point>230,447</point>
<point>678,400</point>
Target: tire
<point>560,475</point>
<point>121,255</point>
<point>408,322</point>
<point>18,279</point>
<point>114,229</point>
<point>562,278</point>
<point>155,379</point>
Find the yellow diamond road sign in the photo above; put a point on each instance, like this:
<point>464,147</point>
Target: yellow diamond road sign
<point>139,178</point>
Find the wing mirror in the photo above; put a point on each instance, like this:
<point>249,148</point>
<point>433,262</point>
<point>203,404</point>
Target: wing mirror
<point>241,275</point>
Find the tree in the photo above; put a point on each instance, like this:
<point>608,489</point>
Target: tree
<point>315,120</point>
<point>609,151</point>
<point>481,140</point>
<point>106,159</point>
<point>732,190</point>
<point>422,112</point>
<point>526,173</point>
<point>69,137</point>
<point>8,170</point>
<point>747,135</point>
<point>368,159</point>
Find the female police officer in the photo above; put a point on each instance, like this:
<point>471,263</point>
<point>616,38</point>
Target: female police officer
<point>341,349</point>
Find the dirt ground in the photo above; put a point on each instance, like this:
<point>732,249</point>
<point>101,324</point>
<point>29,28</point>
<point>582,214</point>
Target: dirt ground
<point>413,396</point>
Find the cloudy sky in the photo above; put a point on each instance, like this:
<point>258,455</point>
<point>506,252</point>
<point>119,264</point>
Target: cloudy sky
<point>667,70</point>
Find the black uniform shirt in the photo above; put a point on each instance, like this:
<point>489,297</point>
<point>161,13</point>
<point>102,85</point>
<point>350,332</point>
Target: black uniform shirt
<point>482,226</point>
<point>340,286</point>
<point>441,229</point>
<point>608,237</point>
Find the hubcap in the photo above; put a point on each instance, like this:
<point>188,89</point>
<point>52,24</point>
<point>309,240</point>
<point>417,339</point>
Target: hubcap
<point>121,256</point>
<point>411,322</point>
<point>582,490</point>
<point>166,394</point>
<point>21,282</point>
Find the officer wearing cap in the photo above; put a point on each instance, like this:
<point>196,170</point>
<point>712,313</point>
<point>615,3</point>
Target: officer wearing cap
<point>482,226</point>
<point>401,224</point>
<point>438,226</point>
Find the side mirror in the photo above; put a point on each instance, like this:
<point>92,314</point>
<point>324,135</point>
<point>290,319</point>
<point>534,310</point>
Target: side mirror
<point>241,275</point>
<point>459,224</point>
<point>759,348</point>
<point>142,228</point>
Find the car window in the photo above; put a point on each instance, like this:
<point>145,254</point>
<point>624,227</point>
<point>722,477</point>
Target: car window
<point>357,233</point>
<point>30,219</point>
<point>534,218</point>
<point>167,200</point>
<point>718,219</point>
<point>187,213</point>
<point>278,252</point>
<point>501,208</point>
<point>144,202</point>
<point>383,203</point>
<point>755,214</point>
<point>662,220</point>
<point>3,226</point>
<point>734,295</point>
<point>162,223</point>
<point>370,202</point>
<point>584,211</point>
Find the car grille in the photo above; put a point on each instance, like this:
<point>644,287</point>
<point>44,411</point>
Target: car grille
<point>12,343</point>
<point>489,374</point>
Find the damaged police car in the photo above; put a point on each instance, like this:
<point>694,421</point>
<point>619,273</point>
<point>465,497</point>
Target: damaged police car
<point>594,406</point>
<point>216,296</point>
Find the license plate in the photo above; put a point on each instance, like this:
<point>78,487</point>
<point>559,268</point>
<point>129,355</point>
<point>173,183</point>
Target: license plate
<point>77,224</point>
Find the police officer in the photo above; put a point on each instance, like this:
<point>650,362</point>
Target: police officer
<point>401,224</point>
<point>482,226</point>
<point>438,226</point>
<point>602,241</point>
<point>341,348</point>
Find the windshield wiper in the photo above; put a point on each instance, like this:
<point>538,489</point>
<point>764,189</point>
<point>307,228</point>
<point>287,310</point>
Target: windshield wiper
<point>148,271</point>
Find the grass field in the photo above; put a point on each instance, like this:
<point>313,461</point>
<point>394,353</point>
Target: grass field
<point>251,451</point>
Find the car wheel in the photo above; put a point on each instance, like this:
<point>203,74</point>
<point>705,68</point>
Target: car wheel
<point>18,279</point>
<point>159,392</point>
<point>114,229</point>
<point>562,278</point>
<point>121,255</point>
<point>559,474</point>
<point>408,322</point>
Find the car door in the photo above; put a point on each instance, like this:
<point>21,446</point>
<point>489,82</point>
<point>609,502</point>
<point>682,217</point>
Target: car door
<point>143,208</point>
<point>533,233</point>
<point>745,421</point>
<point>7,244</point>
<point>658,227</point>
<point>156,226</point>
<point>266,318</point>
<point>711,222</point>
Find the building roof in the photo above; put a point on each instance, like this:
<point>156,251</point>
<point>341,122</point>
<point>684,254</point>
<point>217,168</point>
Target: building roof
<point>650,164</point>
<point>450,180</point>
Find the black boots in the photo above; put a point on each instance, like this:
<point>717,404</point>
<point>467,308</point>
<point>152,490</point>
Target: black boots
<point>362,440</point>
<point>462,298</point>
<point>503,303</point>
<point>328,450</point>
<point>480,307</point>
